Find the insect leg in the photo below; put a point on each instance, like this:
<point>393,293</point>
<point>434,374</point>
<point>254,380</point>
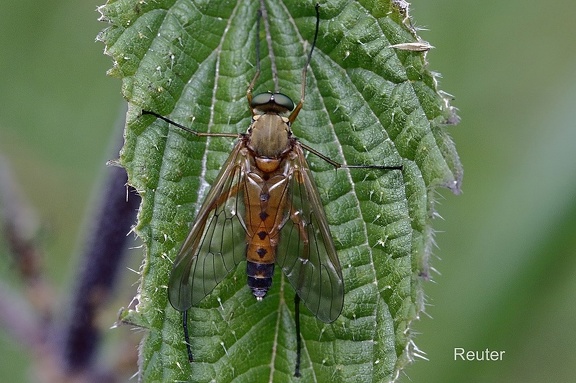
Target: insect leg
<point>296,110</point>
<point>185,128</point>
<point>305,253</point>
<point>257,43</point>
<point>298,335</point>
<point>269,43</point>
<point>338,165</point>
<point>186,335</point>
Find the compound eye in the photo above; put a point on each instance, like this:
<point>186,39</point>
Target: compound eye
<point>283,101</point>
<point>261,99</point>
<point>272,101</point>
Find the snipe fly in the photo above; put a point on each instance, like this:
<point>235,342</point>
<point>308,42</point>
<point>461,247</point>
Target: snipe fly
<point>263,208</point>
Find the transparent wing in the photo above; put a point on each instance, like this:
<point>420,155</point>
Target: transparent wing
<point>305,251</point>
<point>217,241</point>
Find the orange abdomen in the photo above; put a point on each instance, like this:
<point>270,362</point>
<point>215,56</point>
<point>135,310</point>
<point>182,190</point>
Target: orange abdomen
<point>265,201</point>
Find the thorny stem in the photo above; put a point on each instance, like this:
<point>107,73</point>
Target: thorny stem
<point>71,353</point>
<point>100,261</point>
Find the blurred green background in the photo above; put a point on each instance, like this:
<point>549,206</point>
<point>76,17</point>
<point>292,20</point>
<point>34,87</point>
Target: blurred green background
<point>506,246</point>
<point>58,111</point>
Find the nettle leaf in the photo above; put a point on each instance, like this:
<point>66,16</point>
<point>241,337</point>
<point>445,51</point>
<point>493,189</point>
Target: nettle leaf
<point>370,99</point>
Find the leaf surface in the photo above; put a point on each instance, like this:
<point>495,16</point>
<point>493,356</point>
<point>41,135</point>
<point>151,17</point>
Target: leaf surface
<point>369,100</point>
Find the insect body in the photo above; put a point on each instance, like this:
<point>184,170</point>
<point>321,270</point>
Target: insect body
<point>263,208</point>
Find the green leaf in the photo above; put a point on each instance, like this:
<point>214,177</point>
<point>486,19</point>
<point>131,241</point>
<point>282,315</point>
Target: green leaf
<point>369,100</point>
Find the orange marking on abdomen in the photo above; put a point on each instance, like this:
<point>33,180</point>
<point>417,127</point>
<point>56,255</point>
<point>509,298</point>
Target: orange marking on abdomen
<point>264,199</point>
<point>260,249</point>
